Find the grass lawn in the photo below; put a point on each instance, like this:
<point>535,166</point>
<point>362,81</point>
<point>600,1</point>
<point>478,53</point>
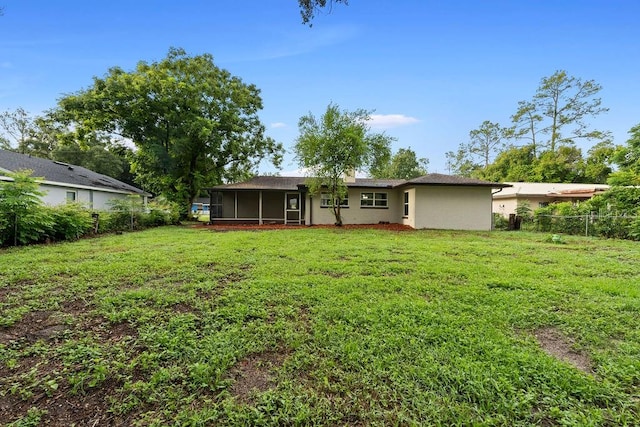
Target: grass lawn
<point>321,327</point>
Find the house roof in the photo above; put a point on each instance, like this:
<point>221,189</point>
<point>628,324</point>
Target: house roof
<point>63,173</point>
<point>544,189</point>
<point>289,183</point>
<point>441,179</point>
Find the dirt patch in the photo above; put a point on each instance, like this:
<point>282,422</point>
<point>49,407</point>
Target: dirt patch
<point>554,343</point>
<point>66,409</point>
<point>254,374</point>
<point>33,326</point>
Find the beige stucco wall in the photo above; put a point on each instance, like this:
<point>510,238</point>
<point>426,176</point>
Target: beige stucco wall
<point>508,206</point>
<point>453,207</point>
<point>355,214</point>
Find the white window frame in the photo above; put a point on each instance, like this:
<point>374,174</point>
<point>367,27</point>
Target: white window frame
<point>325,201</point>
<point>406,204</point>
<point>75,196</point>
<point>378,199</point>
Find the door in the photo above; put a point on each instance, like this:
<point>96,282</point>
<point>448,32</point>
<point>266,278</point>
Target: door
<point>292,208</point>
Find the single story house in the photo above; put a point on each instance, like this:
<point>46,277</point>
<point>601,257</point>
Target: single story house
<point>62,182</point>
<point>539,194</point>
<point>431,201</point>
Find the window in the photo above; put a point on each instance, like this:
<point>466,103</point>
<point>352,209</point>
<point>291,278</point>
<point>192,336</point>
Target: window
<point>543,204</point>
<point>71,196</point>
<point>325,201</point>
<point>373,200</point>
<point>406,204</point>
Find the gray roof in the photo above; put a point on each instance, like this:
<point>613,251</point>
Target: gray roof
<point>292,183</point>
<point>62,172</point>
<point>440,179</point>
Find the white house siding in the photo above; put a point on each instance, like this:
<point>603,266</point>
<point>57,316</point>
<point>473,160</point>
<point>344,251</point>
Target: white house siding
<point>355,214</point>
<point>57,195</point>
<point>453,207</point>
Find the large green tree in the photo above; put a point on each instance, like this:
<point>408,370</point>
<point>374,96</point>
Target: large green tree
<point>404,164</point>
<point>559,111</point>
<point>627,157</point>
<point>193,124</point>
<point>338,144</point>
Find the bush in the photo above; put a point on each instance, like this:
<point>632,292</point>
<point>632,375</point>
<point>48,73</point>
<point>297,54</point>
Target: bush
<point>70,221</point>
<point>22,219</point>
<point>500,222</point>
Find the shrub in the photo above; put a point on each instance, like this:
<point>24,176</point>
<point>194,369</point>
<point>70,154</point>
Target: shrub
<point>500,222</point>
<point>22,219</point>
<point>70,221</point>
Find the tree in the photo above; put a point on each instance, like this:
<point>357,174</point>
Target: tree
<point>99,154</point>
<point>514,164</point>
<point>598,164</point>
<point>564,165</point>
<point>18,128</point>
<point>565,102</point>
<point>337,144</point>
<point>19,200</point>
<point>627,157</point>
<point>485,141</point>
<point>525,125</point>
<point>402,165</point>
<point>309,8</point>
<point>193,124</point>
<point>460,163</point>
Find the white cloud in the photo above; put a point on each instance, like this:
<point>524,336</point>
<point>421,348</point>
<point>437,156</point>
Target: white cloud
<point>385,121</point>
<point>278,125</point>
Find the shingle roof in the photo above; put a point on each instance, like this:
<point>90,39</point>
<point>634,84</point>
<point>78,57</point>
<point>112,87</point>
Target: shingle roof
<point>440,179</point>
<point>289,183</point>
<point>62,172</point>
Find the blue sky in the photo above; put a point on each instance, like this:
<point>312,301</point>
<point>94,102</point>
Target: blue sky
<point>431,70</point>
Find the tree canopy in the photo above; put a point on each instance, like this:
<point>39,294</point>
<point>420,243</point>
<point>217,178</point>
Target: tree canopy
<point>336,145</point>
<point>193,124</point>
<point>550,124</point>
<point>627,158</point>
<point>404,164</point>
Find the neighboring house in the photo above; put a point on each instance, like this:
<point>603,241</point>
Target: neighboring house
<point>200,206</point>
<point>538,194</point>
<point>64,183</point>
<point>430,201</point>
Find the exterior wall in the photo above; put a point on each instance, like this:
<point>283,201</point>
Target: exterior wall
<point>453,207</point>
<point>355,214</point>
<point>508,206</point>
<point>93,199</point>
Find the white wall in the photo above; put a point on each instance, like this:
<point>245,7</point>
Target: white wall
<point>57,195</point>
<point>453,207</point>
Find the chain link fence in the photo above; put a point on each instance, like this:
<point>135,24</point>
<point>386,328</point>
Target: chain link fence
<point>592,224</point>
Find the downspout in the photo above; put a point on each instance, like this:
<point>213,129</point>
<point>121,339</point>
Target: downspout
<point>310,209</point>
<point>491,207</point>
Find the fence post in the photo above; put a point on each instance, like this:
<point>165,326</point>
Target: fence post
<point>586,225</point>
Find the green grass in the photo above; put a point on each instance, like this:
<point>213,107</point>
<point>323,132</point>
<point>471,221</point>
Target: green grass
<point>320,327</point>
